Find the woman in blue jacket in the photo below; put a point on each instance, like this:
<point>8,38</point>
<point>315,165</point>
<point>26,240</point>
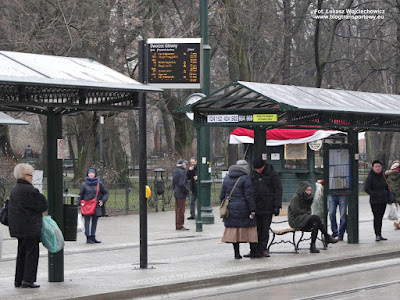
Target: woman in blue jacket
<point>88,192</point>
<point>241,225</point>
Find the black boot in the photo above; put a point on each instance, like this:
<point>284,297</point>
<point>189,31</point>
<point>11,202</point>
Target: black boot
<point>89,239</point>
<point>237,252</point>
<point>94,239</point>
<point>313,249</point>
<point>330,239</point>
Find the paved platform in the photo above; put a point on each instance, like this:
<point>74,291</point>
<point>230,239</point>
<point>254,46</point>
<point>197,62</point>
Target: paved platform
<point>178,260</point>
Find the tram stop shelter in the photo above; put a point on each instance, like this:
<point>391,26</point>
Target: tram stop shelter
<point>262,106</point>
<point>55,86</point>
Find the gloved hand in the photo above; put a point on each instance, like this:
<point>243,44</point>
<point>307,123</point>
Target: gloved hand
<point>276,211</point>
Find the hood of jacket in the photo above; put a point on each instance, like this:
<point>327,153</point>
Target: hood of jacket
<point>302,187</point>
<point>236,171</point>
<point>301,191</point>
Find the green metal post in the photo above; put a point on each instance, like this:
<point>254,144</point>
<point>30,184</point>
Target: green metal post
<point>204,161</point>
<point>199,222</point>
<point>260,147</point>
<point>127,184</point>
<point>352,219</point>
<point>55,191</point>
<point>101,123</point>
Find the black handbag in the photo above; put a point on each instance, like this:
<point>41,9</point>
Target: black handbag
<point>4,214</point>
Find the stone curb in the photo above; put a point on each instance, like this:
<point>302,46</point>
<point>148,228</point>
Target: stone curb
<point>237,278</point>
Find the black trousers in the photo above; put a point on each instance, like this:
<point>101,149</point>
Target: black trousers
<point>27,260</point>
<point>314,224</point>
<point>263,224</point>
<point>378,210</point>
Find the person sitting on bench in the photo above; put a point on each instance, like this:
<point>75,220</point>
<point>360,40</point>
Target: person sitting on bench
<point>300,217</point>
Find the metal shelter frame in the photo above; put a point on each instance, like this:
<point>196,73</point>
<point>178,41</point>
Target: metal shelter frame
<point>261,106</point>
<point>298,107</point>
<point>55,86</point>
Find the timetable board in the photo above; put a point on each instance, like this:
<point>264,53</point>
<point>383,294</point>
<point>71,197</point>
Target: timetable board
<point>174,63</point>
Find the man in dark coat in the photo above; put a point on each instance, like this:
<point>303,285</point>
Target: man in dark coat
<point>268,191</point>
<point>181,191</point>
<point>191,175</point>
<point>25,210</point>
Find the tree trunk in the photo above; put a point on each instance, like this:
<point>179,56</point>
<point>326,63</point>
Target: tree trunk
<point>114,155</point>
<point>287,42</point>
<point>5,142</point>
<point>42,159</point>
<point>167,126</point>
<point>133,137</point>
<point>385,147</point>
<point>321,59</point>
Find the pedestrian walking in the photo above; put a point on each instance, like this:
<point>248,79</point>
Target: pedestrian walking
<point>191,175</point>
<point>268,196</point>
<point>181,191</point>
<point>241,225</point>
<point>393,177</point>
<point>300,217</point>
<point>376,187</point>
<point>25,210</point>
<point>90,189</point>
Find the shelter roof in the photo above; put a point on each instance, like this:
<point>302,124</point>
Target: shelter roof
<point>33,82</point>
<point>297,107</point>
<point>8,120</point>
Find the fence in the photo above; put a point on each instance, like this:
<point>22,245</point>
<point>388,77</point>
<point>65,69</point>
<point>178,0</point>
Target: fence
<point>123,194</point>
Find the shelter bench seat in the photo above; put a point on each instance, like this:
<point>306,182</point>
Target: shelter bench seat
<point>283,231</point>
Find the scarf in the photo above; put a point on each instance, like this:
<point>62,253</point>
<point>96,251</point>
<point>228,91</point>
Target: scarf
<point>91,181</point>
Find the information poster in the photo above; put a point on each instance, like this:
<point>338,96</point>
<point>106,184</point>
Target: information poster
<point>296,151</point>
<point>339,169</point>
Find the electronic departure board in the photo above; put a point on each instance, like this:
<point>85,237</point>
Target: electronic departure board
<point>174,63</point>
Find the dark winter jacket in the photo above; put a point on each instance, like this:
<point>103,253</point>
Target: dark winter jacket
<point>25,210</point>
<point>376,187</point>
<point>192,183</point>
<point>242,201</point>
<point>179,183</point>
<point>393,178</point>
<point>299,211</point>
<point>88,192</point>
<point>268,190</point>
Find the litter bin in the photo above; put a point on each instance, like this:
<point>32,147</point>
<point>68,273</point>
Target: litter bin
<point>70,218</point>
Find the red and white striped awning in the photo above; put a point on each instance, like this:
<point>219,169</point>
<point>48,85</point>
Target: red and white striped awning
<point>277,137</point>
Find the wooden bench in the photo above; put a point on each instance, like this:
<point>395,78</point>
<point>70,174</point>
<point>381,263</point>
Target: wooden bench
<point>280,232</point>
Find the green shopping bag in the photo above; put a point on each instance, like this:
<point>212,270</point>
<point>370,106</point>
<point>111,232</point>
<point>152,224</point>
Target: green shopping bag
<point>52,237</point>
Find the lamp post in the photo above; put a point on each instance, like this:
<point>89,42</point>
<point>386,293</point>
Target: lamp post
<point>203,132</point>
